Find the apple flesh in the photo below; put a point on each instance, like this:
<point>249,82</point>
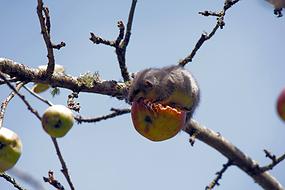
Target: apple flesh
<point>10,149</point>
<point>281,105</point>
<point>57,120</point>
<point>155,121</point>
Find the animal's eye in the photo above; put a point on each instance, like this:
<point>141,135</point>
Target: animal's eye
<point>136,92</point>
<point>148,84</point>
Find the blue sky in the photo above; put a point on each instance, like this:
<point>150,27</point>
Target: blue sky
<point>240,72</point>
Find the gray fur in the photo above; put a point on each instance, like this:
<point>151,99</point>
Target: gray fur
<point>163,82</point>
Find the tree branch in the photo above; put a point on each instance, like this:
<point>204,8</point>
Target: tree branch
<point>237,157</point>
<point>24,73</point>
<point>11,180</point>
<point>121,42</point>
<point>10,80</point>
<point>38,96</point>
<point>129,25</point>
<point>219,176</point>
<point>6,102</point>
<point>274,162</point>
<point>52,181</point>
<point>45,24</point>
<point>64,169</point>
<point>204,37</point>
<point>121,49</point>
<point>116,112</point>
<point>35,112</point>
<point>45,31</point>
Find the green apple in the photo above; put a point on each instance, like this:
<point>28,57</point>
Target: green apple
<point>57,120</point>
<point>10,149</point>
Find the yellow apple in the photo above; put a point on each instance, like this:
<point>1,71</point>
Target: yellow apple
<point>10,149</point>
<point>40,87</point>
<point>156,122</point>
<point>57,120</point>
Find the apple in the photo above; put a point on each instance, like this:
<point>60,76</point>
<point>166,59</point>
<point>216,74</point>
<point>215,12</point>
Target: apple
<point>155,121</point>
<point>41,87</point>
<point>57,120</point>
<point>281,105</point>
<point>10,149</point>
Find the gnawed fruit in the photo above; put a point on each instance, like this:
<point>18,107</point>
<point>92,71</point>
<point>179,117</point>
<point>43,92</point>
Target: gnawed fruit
<point>156,122</point>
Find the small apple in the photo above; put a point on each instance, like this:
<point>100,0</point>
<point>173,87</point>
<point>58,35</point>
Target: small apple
<point>41,87</point>
<point>281,105</point>
<point>57,120</point>
<point>10,149</point>
<point>155,121</point>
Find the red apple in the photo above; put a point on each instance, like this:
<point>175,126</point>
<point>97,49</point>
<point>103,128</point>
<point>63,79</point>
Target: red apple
<point>281,105</point>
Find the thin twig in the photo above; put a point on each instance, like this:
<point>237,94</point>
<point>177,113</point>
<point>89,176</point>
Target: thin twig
<point>64,169</point>
<point>278,12</point>
<point>129,25</point>
<point>35,112</point>
<point>116,112</point>
<point>38,96</point>
<point>121,50</point>
<point>52,181</point>
<point>10,80</point>
<point>121,42</point>
<point>45,31</point>
<point>11,180</point>
<point>71,103</point>
<point>59,46</point>
<point>80,119</point>
<point>219,176</point>
<point>6,102</point>
<point>210,13</point>
<point>204,37</point>
<point>120,37</point>
<point>274,162</point>
<point>45,24</point>
<point>98,40</point>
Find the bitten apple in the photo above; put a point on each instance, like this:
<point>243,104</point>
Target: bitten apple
<point>10,149</point>
<point>155,121</point>
<point>281,105</point>
<point>57,120</point>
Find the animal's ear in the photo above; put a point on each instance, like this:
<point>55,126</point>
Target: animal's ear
<point>148,84</point>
